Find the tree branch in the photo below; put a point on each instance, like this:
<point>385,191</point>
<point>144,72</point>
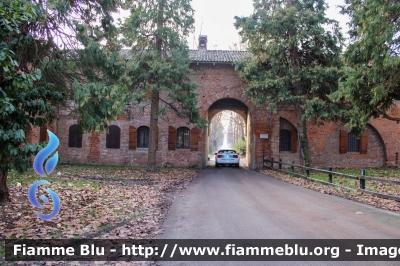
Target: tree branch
<point>178,113</point>
<point>389,117</point>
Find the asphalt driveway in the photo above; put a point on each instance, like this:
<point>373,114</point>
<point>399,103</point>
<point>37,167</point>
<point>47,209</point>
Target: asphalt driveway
<point>236,203</point>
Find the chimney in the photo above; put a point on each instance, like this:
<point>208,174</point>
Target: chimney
<point>202,43</point>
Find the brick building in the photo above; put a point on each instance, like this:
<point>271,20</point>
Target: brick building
<point>220,88</point>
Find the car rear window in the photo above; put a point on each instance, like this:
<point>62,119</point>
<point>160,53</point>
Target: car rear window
<point>227,151</point>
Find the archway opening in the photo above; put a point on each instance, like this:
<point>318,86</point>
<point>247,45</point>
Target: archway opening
<point>227,131</point>
<point>229,128</point>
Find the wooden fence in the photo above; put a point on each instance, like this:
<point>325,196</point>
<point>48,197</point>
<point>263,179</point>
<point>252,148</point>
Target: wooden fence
<point>362,177</point>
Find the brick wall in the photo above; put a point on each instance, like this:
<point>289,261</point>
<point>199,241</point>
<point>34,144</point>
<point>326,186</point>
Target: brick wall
<point>375,156</point>
<point>217,82</point>
<point>94,145</point>
<point>33,133</point>
<point>390,134</point>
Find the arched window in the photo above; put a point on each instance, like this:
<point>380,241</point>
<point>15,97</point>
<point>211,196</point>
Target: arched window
<point>183,138</point>
<point>113,137</point>
<point>348,142</point>
<point>353,143</point>
<point>285,140</point>
<point>143,137</point>
<point>74,137</point>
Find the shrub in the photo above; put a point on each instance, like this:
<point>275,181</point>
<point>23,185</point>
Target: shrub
<point>240,147</point>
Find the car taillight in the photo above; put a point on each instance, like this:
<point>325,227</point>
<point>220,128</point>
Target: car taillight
<point>235,156</point>
<point>219,156</point>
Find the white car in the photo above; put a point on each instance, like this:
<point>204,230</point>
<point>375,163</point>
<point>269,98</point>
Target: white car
<point>226,156</point>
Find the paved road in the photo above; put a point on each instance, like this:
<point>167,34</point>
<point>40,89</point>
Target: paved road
<point>227,202</point>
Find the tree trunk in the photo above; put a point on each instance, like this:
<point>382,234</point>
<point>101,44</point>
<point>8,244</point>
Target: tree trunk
<point>155,99</point>
<point>305,154</point>
<point>4,192</point>
<point>305,144</point>
<point>152,152</point>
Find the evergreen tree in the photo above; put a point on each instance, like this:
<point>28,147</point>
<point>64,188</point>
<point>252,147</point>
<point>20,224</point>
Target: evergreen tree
<point>77,49</point>
<point>49,49</point>
<point>156,33</point>
<point>24,97</point>
<point>372,85</point>
<point>102,91</point>
<point>61,29</point>
<point>296,59</point>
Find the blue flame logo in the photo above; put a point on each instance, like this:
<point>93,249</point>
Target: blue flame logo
<point>34,201</point>
<point>44,153</point>
<point>38,167</point>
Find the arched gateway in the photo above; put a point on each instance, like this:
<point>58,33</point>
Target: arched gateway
<point>220,88</point>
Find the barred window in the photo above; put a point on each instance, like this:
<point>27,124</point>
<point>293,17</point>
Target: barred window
<point>74,137</point>
<point>353,143</point>
<point>183,138</point>
<point>143,137</point>
<point>285,140</point>
<point>113,137</point>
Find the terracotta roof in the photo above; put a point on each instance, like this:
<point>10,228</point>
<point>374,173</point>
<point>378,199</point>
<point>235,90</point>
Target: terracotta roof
<point>211,56</point>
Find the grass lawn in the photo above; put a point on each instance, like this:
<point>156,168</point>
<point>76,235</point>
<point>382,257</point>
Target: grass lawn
<point>96,202</point>
<point>375,186</point>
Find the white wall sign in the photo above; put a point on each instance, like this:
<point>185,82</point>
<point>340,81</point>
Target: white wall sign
<point>263,136</point>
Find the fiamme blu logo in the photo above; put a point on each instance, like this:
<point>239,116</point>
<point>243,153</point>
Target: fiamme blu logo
<point>42,171</point>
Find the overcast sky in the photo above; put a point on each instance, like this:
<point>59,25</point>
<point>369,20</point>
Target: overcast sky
<point>214,18</point>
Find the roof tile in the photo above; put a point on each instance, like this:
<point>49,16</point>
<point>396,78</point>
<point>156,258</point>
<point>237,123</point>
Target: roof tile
<point>209,56</point>
<point>217,55</point>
